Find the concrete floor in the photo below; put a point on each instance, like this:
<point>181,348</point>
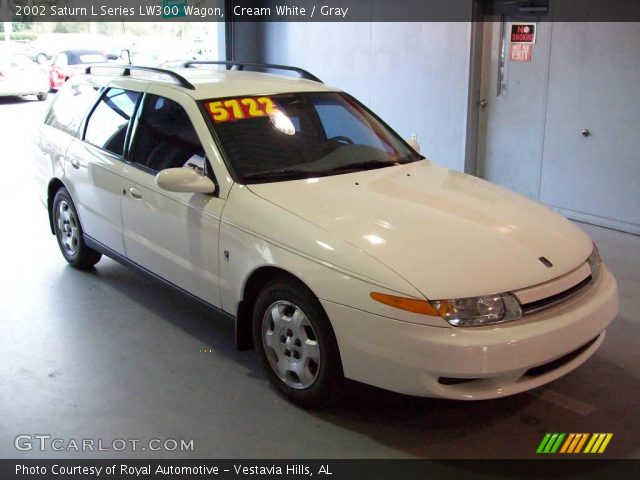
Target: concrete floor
<point>110,354</point>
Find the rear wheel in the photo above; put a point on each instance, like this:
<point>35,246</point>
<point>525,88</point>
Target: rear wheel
<point>69,233</point>
<point>296,344</point>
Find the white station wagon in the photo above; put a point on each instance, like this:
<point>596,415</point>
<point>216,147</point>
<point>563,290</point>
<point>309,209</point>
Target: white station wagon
<point>339,250</point>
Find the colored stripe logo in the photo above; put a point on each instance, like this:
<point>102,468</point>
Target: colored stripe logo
<point>574,443</point>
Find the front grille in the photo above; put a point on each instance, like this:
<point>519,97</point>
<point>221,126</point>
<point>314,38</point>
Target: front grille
<point>559,362</point>
<point>543,303</point>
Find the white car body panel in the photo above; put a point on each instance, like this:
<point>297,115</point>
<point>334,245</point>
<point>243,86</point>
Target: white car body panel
<point>417,231</point>
<point>95,180</point>
<point>180,244</point>
<point>330,267</point>
<point>429,224</point>
<point>22,80</point>
<point>409,358</point>
<point>24,85</point>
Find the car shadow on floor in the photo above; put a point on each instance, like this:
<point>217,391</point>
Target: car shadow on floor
<point>510,427</point>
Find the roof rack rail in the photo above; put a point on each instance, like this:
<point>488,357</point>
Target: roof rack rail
<point>126,72</point>
<point>303,73</point>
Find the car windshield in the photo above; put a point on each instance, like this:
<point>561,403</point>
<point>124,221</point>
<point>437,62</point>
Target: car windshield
<point>300,135</point>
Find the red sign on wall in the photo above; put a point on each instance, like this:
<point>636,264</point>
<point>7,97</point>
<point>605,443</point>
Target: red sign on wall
<point>521,52</point>
<point>523,33</point>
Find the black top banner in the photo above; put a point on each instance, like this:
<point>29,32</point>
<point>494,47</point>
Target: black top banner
<point>317,10</point>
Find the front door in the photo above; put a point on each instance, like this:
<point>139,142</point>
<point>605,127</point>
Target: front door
<point>174,235</point>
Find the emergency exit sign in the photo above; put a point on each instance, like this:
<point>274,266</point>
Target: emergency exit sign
<point>523,33</point>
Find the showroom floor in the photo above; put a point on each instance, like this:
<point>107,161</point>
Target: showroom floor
<point>110,354</point>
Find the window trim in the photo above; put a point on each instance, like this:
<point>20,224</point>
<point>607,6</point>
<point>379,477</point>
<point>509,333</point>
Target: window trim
<point>234,175</point>
<point>91,111</point>
<point>81,125</point>
<point>131,136</point>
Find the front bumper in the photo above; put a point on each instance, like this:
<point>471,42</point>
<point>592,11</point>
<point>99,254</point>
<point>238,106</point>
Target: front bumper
<point>416,360</point>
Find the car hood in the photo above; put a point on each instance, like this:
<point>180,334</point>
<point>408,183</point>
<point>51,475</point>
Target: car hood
<point>447,233</point>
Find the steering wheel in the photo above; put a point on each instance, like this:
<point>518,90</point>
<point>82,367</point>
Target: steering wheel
<point>335,142</point>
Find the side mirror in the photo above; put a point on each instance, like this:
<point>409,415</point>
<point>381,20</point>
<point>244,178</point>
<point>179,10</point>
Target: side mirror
<point>184,179</point>
<point>413,143</point>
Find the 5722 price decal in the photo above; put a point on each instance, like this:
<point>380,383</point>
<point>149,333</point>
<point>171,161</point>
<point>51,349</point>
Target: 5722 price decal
<point>240,108</point>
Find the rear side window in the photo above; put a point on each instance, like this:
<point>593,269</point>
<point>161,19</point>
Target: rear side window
<point>166,138</point>
<point>108,123</point>
<point>71,106</point>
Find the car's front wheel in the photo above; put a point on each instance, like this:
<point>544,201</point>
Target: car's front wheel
<point>42,96</point>
<point>69,233</point>
<point>296,344</point>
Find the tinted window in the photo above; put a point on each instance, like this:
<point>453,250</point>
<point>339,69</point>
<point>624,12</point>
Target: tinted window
<point>107,125</point>
<point>299,135</point>
<point>339,121</point>
<point>70,107</point>
<point>166,138</point>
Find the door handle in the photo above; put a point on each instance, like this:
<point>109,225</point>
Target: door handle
<point>482,103</point>
<point>75,163</point>
<point>135,193</point>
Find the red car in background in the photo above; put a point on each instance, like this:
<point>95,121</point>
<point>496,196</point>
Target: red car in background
<point>71,62</point>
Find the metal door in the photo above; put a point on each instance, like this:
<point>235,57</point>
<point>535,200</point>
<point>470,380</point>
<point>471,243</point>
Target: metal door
<point>591,157</point>
<point>512,109</point>
<point>563,128</point>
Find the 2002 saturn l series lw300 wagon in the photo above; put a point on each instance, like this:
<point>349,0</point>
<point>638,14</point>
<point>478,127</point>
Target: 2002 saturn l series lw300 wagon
<point>337,248</point>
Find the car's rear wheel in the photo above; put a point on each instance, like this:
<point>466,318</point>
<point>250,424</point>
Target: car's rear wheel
<point>69,233</point>
<point>296,344</point>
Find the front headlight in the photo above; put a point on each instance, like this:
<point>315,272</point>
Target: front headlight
<point>478,311</point>
<point>594,262</point>
<point>460,312</point>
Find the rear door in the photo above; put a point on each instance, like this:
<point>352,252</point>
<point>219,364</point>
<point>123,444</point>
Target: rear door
<point>60,128</point>
<point>174,235</point>
<point>94,166</point>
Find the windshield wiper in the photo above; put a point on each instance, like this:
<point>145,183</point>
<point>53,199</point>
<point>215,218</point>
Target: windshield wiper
<point>369,164</point>
<point>276,174</point>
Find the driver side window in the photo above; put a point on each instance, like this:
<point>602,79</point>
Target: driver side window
<point>166,138</point>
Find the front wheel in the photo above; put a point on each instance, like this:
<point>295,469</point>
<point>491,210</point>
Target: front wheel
<point>42,96</point>
<point>69,233</point>
<point>296,344</point>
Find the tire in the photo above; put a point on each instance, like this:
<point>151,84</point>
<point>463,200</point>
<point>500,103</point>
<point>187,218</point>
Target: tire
<point>296,344</point>
<point>42,96</point>
<point>41,58</point>
<point>69,233</point>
